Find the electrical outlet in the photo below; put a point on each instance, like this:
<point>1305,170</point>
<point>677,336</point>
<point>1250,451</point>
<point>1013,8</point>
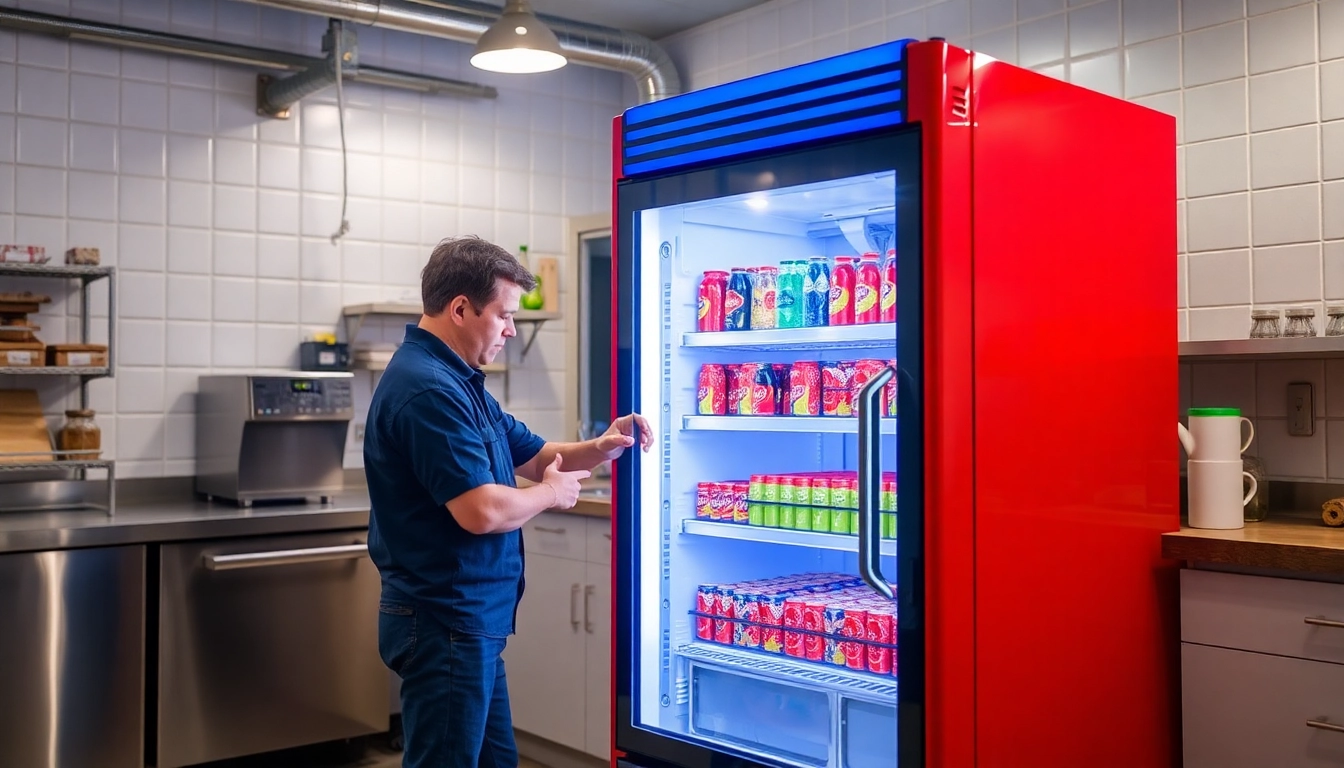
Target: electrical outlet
<point>1301,411</point>
<point>359,432</point>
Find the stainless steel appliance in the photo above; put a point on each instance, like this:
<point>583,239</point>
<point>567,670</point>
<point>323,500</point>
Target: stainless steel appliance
<point>273,435</point>
<point>267,643</point>
<point>72,658</point>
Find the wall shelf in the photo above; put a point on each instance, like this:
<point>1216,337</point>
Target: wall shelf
<point>1262,349</point>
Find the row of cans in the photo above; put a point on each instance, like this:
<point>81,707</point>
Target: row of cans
<point>799,293</point>
<point>824,502</point>
<point>824,618</point>
<point>804,388</point>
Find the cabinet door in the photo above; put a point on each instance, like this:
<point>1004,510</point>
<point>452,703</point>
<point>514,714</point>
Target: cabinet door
<point>545,657</point>
<point>597,625</point>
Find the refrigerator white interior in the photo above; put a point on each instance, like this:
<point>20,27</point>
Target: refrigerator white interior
<point>770,706</point>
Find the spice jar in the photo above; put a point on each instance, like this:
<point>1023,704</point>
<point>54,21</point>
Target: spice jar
<point>80,433</point>
<point>1301,322</point>
<point>1335,325</point>
<point>1258,507</point>
<point>1264,324</point>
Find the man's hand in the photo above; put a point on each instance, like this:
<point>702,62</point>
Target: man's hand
<point>621,435</point>
<point>565,484</point>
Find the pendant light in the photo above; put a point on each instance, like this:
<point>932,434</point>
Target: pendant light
<point>518,43</point>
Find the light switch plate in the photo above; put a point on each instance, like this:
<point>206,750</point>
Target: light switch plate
<point>1301,410</point>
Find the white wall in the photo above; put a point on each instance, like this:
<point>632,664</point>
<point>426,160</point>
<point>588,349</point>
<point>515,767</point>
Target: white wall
<point>218,219</point>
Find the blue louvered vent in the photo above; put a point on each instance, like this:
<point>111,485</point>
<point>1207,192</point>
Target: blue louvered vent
<point>842,95</point>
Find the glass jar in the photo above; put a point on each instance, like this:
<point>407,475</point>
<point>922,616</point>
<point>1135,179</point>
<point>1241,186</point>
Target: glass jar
<point>1258,508</point>
<point>1335,325</point>
<point>1301,322</point>
<point>80,433</point>
<point>1264,324</point>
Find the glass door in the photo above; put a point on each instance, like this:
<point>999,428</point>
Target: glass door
<point>757,548</point>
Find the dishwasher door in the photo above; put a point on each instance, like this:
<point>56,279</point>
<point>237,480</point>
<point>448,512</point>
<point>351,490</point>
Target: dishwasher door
<point>267,643</point>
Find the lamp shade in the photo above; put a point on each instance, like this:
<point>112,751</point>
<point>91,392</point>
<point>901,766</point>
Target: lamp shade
<point>518,43</point>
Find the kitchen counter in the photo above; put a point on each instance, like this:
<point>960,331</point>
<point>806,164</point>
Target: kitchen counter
<point>1286,542</point>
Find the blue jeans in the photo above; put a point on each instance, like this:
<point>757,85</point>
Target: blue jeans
<point>454,699</point>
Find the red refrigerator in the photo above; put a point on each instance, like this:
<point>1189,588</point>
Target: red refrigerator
<point>820,568</point>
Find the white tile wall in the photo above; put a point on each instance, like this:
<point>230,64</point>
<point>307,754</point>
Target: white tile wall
<point>219,220</point>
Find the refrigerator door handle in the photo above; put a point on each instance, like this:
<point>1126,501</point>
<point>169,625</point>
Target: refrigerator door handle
<point>870,483</point>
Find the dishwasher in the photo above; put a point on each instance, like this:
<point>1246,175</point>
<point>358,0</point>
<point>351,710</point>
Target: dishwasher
<point>266,643</point>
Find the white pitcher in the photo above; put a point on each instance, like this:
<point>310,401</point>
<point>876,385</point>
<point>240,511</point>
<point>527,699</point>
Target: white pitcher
<point>1215,434</point>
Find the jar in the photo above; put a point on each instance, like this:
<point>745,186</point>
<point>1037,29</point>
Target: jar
<point>1335,325</point>
<point>80,433</point>
<point>1301,322</point>
<point>1264,324</point>
<point>1258,507</point>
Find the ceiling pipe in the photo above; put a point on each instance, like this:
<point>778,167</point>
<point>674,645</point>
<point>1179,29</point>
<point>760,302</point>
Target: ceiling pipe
<point>465,21</point>
<point>262,58</point>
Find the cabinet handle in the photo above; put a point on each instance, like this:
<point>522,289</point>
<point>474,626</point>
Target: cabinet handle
<point>1316,621</point>
<point>544,529</point>
<point>285,557</point>
<point>588,591</point>
<point>574,606</point>
<point>1324,726</point>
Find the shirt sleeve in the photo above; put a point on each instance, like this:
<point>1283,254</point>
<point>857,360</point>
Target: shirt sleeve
<point>443,445</point>
<point>523,442</point>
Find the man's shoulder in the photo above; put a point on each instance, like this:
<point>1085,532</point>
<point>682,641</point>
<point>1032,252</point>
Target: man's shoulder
<point>413,380</point>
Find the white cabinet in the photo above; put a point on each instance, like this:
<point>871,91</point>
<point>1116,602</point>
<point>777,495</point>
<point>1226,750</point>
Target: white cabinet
<point>559,660</point>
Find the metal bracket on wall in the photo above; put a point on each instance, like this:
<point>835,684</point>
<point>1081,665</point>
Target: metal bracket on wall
<point>276,95</point>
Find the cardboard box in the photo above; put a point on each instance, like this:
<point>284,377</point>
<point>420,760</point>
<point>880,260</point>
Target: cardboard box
<point>22,427</point>
<point>22,354</point>
<point>77,355</point>
<point>24,254</point>
<point>548,269</point>
<point>88,256</point>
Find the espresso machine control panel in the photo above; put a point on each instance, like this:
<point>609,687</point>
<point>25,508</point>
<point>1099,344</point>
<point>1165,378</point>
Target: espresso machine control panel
<point>301,397</point>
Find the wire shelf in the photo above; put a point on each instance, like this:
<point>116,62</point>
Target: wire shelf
<point>786,668</point>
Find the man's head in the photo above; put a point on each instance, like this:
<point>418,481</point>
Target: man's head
<point>470,289</point>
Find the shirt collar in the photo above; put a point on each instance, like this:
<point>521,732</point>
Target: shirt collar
<point>435,346</point>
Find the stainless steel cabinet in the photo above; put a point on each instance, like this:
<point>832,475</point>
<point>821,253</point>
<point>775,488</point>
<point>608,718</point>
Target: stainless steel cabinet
<point>267,643</point>
<point>72,658</point>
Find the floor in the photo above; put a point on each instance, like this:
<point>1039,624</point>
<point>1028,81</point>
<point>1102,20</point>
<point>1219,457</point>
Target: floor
<point>371,753</point>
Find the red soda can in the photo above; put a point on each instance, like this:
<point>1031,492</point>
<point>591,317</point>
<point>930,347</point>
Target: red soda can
<point>834,375</point>
<point>703,509</point>
<point>837,402</point>
<point>843,279</point>
<point>889,396</point>
<point>709,303</point>
<point>763,391</point>
<point>723,613</point>
<point>856,627</point>
<point>804,389</point>
<point>864,371</point>
<point>881,633</point>
<point>793,617</point>
<point>745,383</point>
<point>834,625</point>
<point>814,621</point>
<point>721,502</point>
<point>770,610</point>
<point>887,305</point>
<point>705,601</point>
<point>740,492</point>
<point>868,290</point>
<point>712,393</point>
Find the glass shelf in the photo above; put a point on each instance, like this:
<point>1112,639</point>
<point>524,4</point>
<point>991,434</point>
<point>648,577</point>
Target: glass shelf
<point>828,424</point>
<point>791,669</point>
<point>814,539</point>
<point>876,335</point>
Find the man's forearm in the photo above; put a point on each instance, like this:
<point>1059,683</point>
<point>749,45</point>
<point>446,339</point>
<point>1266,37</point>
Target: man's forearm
<point>584,455</point>
<point>498,508</point>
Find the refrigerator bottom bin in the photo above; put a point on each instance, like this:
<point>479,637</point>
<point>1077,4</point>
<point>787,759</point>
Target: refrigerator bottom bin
<point>869,734</point>
<point>770,719</point>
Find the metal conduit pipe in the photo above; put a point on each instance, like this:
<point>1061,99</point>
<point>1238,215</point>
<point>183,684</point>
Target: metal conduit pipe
<point>262,58</point>
<point>463,20</point>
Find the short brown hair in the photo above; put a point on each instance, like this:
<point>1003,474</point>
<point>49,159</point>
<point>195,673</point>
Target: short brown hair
<point>468,266</point>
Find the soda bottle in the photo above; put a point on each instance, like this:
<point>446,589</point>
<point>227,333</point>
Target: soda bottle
<point>737,301</point>
<point>764,297</point>
<point>763,400</point>
<point>712,392</point>
<point>843,279</point>
<point>791,300</point>
<point>783,375</point>
<point>868,290</point>
<point>817,310</point>
<point>887,312</point>
<point>709,304</point>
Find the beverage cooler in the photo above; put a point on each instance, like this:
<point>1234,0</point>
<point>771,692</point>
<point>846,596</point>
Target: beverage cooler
<point>903,323</point>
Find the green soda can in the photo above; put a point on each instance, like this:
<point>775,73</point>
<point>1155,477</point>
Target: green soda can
<point>889,525</point>
<point>839,520</point>
<point>853,503</point>
<point>755,514</point>
<point>788,516</point>
<point>756,491</point>
<point>771,516</point>
<point>802,494</point>
<point>787,490</point>
<point>821,493</point>
<point>770,490</point>
<point>888,508</point>
<point>821,519</point>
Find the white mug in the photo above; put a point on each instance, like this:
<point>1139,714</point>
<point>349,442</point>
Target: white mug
<point>1215,434</point>
<point>1217,493</point>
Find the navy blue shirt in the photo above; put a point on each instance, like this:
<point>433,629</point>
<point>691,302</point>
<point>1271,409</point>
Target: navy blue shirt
<point>434,433</point>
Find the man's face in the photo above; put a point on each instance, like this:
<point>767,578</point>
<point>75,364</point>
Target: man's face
<point>486,331</point>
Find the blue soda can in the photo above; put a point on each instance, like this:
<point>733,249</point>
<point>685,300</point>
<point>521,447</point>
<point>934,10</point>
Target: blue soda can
<point>737,301</point>
<point>817,287</point>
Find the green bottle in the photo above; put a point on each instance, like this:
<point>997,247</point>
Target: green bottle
<point>789,299</point>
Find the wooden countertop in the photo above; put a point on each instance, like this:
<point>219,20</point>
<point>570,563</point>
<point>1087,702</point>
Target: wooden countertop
<point>1287,541</point>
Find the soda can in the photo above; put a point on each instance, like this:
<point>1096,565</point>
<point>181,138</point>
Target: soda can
<point>723,625</point>
<point>712,391</point>
<point>770,610</point>
<point>747,383</point>
<point>837,402</point>
<point>703,508</point>
<point>740,511</point>
<point>705,600</point>
<point>834,375</point>
<point>817,292</point>
<point>764,391</point>
<point>733,373</point>
<point>746,632</point>
<point>794,608</point>
<point>788,516</point>
<point>756,514</point>
<point>855,630</point>
<point>770,516</point>
<point>721,502</point>
<point>802,494</point>
<point>839,521</point>
<point>881,633</point>
<point>864,372</point>
<point>834,622</point>
<point>804,389</point>
<point>868,290</point>
<point>770,491</point>
<point>709,303</point>
<point>814,621</point>
<point>821,492</point>
<point>887,313</point>
<point>889,394</point>
<point>737,301</point>
<point>783,374</point>
<point>843,279</point>
<point>764,289</point>
<point>889,525</point>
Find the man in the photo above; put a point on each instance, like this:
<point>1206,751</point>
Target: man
<point>440,456</point>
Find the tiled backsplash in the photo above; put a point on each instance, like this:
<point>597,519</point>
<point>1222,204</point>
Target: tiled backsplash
<point>218,220</point>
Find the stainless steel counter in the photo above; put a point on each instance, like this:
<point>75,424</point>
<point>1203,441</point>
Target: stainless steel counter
<point>175,521</point>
